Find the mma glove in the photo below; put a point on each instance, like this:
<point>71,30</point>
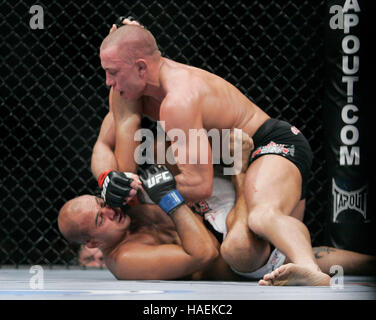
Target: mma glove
<point>115,187</point>
<point>160,185</point>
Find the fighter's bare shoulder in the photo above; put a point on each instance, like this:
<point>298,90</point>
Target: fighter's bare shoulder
<point>182,100</point>
<point>184,84</point>
<point>179,112</point>
<point>125,261</point>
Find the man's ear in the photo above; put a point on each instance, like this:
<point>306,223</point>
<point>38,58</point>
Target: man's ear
<point>141,67</point>
<point>92,244</point>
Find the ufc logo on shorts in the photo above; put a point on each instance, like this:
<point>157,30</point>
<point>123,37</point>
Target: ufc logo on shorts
<point>165,176</point>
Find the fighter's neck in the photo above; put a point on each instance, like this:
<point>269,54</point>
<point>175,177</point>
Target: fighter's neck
<point>144,217</point>
<point>154,87</point>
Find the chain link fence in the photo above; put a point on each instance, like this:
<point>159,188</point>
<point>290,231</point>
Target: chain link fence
<point>53,96</point>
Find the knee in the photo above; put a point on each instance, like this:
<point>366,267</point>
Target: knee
<point>260,218</point>
<point>234,247</point>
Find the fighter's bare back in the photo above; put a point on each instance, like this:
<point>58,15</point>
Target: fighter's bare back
<point>217,102</point>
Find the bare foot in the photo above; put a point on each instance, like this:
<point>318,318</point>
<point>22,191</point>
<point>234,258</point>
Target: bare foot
<point>295,275</point>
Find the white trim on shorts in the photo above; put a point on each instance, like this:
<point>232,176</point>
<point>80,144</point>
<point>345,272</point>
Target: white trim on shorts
<point>221,202</point>
<point>276,259</point>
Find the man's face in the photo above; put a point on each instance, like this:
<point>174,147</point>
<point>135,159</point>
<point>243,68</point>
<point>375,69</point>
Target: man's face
<point>91,257</point>
<point>106,226</point>
<point>122,76</point>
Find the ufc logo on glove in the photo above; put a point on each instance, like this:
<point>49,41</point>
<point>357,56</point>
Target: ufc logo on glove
<point>160,185</point>
<point>165,176</point>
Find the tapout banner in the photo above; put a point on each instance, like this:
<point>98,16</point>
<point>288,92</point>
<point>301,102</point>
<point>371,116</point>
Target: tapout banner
<point>347,110</point>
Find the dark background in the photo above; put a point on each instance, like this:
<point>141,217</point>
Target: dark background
<point>53,96</point>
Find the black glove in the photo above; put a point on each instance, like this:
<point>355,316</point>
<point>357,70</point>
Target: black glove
<point>115,187</point>
<point>160,185</point>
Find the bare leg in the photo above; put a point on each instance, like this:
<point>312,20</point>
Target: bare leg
<point>353,263</point>
<point>272,191</point>
<point>241,248</point>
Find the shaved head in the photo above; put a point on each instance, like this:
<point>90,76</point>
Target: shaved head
<point>131,42</point>
<point>72,219</point>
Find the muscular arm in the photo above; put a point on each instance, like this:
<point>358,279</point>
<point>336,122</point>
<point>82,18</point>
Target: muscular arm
<point>240,206</point>
<point>103,156</point>
<point>195,180</point>
<point>169,261</point>
<point>115,145</point>
<point>127,116</point>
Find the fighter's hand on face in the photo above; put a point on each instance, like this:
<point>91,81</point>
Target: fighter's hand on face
<point>246,142</point>
<point>124,21</point>
<point>160,185</point>
<point>118,187</point>
<point>113,28</point>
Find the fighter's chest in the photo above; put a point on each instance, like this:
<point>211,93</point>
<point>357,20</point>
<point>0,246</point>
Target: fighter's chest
<point>158,232</point>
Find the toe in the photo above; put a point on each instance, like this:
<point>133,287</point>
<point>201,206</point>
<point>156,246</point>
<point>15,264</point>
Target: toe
<point>264,283</point>
<point>267,276</point>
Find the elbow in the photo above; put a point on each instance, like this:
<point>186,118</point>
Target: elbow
<point>214,254</point>
<point>207,191</point>
<point>209,255</point>
<point>205,187</point>
<point>204,190</point>
<point>201,191</point>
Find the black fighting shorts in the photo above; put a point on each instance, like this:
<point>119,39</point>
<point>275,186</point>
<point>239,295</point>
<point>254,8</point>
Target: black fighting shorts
<point>281,138</point>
